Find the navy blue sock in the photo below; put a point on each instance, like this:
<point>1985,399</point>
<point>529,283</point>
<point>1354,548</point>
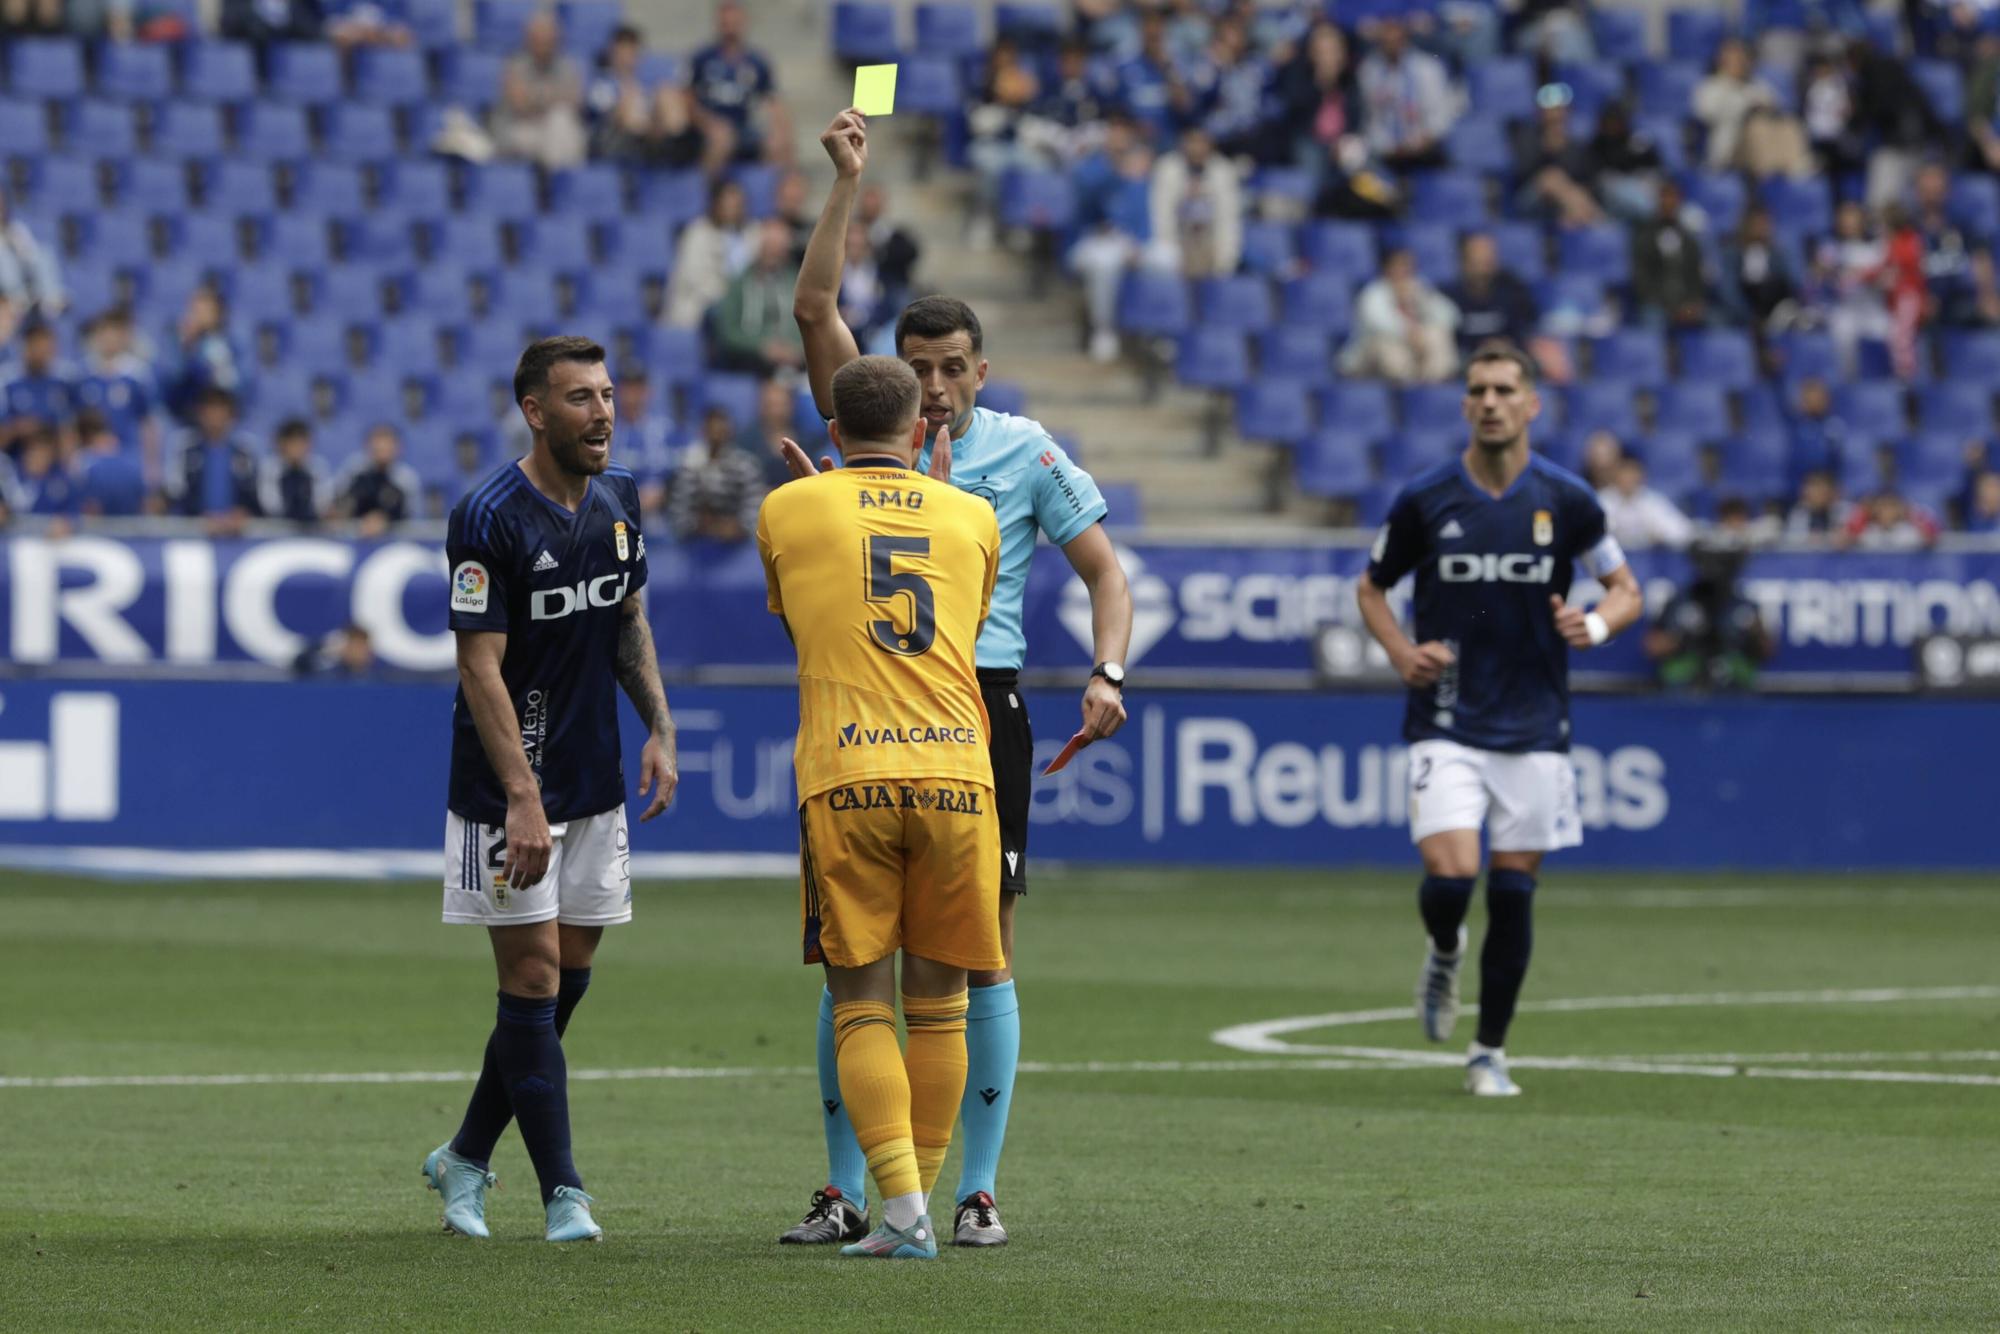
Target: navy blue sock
<point>536,1078</point>
<point>1443,900</point>
<point>489,1110</point>
<point>1503,960</point>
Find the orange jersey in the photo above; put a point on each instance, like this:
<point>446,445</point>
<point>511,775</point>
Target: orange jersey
<point>883,577</point>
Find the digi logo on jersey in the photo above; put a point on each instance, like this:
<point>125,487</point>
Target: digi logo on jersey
<point>552,604</point>
<point>1492,568</point>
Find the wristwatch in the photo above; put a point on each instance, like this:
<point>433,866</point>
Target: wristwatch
<point>1111,672</point>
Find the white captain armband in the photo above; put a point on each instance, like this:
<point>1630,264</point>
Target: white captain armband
<point>1603,558</point>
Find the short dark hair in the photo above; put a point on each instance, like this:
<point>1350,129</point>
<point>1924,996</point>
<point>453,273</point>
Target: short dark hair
<point>938,317</point>
<point>875,399</point>
<point>291,428</point>
<point>1499,349</point>
<point>531,373</point>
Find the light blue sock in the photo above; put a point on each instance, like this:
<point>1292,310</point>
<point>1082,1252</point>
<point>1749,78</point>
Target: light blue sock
<point>846,1165</point>
<point>992,1050</point>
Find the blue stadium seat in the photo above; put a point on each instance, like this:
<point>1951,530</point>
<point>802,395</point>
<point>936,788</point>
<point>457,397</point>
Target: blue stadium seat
<point>1124,504</point>
<point>1008,397</point>
<point>134,71</point>
<point>1720,195</point>
<point>281,391</point>
<point>1873,361</point>
<point>675,356</point>
<point>1592,86</point>
<point>1672,459</point>
<point>470,78</point>
<point>1478,144</point>
<point>759,184</point>
<point>1292,186</point>
<point>45,67</point>
<point>606,296</point>
<point>114,240</point>
<point>331,189</point>
<point>735,394</point>
<point>1275,410</point>
<point>1344,248</point>
<point>439,290</point>
<point>1763,408</point>
<point>299,240</point>
<point>1558,446</point>
<point>99,129</point>
<point>1358,409</point>
<point>63,185</point>
<point>587,26</point>
<point>259,293</point>
<point>557,242</point>
<point>864,32</point>
<point>1213,359</point>
<point>1431,409</point>
<point>525,296</point>
<point>1153,304</point>
<point>218,72</point>
<point>1241,302</point>
<point>433,22</point>
<point>497,25</point>
<point>1935,456</point>
<point>1666,88</point>
<point>377,237</point>
<point>1603,406</point>
<point>1972,356</point>
<point>1321,300</point>
<point>151,185</point>
<point>230,186</point>
<point>637,244</point>
<point>1034,24</point>
<point>391,77</point>
<point>1523,250</point>
<point>24,129</point>
<point>1943,87</point>
<point>1037,199</point>
<point>268,132</point>
<point>1332,463</point>
<point>1603,252</point>
<point>593,193</point>
<point>415,187</point>
<point>1700,410</point>
<point>672,198</point>
<point>164,288</point>
<point>1434,247</point>
<point>468,240</point>
<point>1669,135</point>
<point>1723,357</point>
<point>305,74</point>
<point>929,86</point>
<point>948,30</point>
<point>1296,352</point>
<point>1964,409</point>
<point>1974,204</point>
<point>1803,206</point>
<point>1635,356</point>
<point>1451,198</point>
<point>502,191</point>
<point>1408,453</point>
<point>1757,466</point>
<point>208,239</point>
<point>1871,408</point>
<point>1371,506</point>
<point>1694,34</point>
<point>360,134</point>
<point>1501,89</point>
<point>1620,35</point>
<point>188,130</point>
<point>1268,248</point>
<point>348,295</point>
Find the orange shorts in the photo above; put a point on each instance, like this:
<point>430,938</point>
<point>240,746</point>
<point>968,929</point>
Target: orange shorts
<point>910,864</point>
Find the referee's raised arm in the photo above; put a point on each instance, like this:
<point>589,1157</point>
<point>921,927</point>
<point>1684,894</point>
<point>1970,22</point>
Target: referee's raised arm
<point>816,298</point>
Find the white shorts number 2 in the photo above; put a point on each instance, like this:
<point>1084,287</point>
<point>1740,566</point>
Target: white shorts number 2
<point>1526,803</point>
<point>588,883</point>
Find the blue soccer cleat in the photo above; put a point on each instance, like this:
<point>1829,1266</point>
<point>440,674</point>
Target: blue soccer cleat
<point>1486,1075</point>
<point>917,1242</point>
<point>569,1217</point>
<point>462,1183</point>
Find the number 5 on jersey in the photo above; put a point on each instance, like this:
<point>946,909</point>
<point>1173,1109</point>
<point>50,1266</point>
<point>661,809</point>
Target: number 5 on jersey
<point>886,584</point>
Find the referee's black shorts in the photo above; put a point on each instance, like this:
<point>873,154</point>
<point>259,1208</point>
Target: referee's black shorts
<point>1013,771</point>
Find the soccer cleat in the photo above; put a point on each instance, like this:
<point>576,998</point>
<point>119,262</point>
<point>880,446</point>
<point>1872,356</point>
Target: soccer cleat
<point>917,1242</point>
<point>1437,991</point>
<point>1486,1076</point>
<point>978,1222</point>
<point>832,1218</point>
<point>569,1217</point>
<point>462,1183</point>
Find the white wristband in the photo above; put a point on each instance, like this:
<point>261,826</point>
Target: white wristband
<point>1599,631</point>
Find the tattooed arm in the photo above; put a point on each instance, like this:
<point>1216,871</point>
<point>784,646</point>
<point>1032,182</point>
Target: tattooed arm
<point>639,674</point>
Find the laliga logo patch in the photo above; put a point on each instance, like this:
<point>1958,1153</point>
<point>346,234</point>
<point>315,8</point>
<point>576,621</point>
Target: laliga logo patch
<point>618,540</point>
<point>1545,528</point>
<point>469,587</point>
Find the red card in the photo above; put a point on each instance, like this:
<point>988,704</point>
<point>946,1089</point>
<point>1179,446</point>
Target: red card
<point>1076,743</point>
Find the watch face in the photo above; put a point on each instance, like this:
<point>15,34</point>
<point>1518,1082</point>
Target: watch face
<point>1113,673</point>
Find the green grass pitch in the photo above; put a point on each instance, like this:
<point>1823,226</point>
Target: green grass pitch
<point>1154,1179</point>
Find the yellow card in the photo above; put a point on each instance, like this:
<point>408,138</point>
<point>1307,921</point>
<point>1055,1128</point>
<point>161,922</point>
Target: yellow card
<point>875,89</point>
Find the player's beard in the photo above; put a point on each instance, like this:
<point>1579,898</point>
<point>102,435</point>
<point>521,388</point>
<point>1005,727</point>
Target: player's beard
<point>575,458</point>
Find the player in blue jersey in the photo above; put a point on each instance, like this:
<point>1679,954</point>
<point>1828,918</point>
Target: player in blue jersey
<point>1014,465</point>
<point>1491,537</point>
<point>548,573</point>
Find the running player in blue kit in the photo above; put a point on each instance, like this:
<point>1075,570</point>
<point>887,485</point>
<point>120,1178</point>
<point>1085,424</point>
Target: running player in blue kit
<point>1492,537</point>
<point>548,573</point>
<point>1036,491</point>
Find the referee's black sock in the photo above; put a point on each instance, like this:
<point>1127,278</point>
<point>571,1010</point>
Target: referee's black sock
<point>1443,900</point>
<point>489,1110</point>
<point>1503,960</point>
<point>536,1078</point>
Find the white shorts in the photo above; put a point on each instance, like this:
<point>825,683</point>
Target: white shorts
<point>589,880</point>
<point>1526,803</point>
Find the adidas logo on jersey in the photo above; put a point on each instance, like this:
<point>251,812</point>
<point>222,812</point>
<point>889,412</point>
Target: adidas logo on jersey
<point>544,562</point>
<point>1449,531</point>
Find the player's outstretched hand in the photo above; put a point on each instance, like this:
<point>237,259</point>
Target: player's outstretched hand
<point>1103,710</point>
<point>941,457</point>
<point>1571,623</point>
<point>529,846</point>
<point>798,462</point>
<point>659,770</point>
<point>1426,664</point>
<point>846,142</point>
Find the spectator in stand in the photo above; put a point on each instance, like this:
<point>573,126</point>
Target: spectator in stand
<point>754,329</point>
<point>1556,171</point>
<point>120,384</point>
<point>1957,263</point>
<point>1846,284</point>
<point>732,82</point>
<point>292,484</point>
<point>260,22</point>
<point>1492,303</point>
<point>1820,514</point>
<point>213,472</point>
<point>719,488</point>
<point>896,250</point>
<point>1982,103</point>
<point>1982,512</point>
<point>1231,94</point>
<point>618,103</point>
<point>1146,85</point>
<point>764,439</point>
<point>114,483</point>
<point>51,483</point>
<point>647,437</point>
<point>30,278</point>
<point>1318,102</point>
<point>10,489</point>
<point>793,207</point>
<point>1902,276</point>
<point>1637,515</point>
<point>1748,130</point>
<point>1407,100</point>
<point>1558,31</point>
<point>1066,113</point>
<point>1403,327</point>
<point>712,249</point>
<point>1115,207</point>
<point>40,394</point>
<point>867,302</point>
<point>1196,205</point>
<point>1817,440</point>
<point>1669,286</point>
<point>204,357</point>
<point>539,116</point>
<point>1888,522</point>
<point>995,145</point>
<point>687,136</point>
<point>1757,288</point>
<point>1827,97</point>
<point>1623,166</point>
<point>1737,526</point>
<point>1892,112</point>
<point>378,488</point>
<point>1601,454</point>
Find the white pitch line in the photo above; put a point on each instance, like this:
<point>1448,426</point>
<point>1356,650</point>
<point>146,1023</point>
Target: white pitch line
<point>1818,1057</point>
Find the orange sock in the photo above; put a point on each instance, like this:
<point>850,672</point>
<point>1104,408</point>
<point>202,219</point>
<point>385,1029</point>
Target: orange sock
<point>877,1091</point>
<point>936,1062</point>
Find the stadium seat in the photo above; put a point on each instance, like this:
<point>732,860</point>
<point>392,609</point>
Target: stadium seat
<point>637,245</point>
<point>1672,459</point>
<point>1720,195</point>
<point>359,134</point>
<point>1974,204</point>
<point>1700,410</point>
<point>1452,198</point>
<point>1360,409</point>
<point>1762,408</point>
<point>1694,34</point>
<point>1620,35</point>
<point>1269,248</point>
<point>1501,89</point>
<point>1874,362</point>
<point>1972,356</point>
<point>948,30</point>
<point>1603,252</point>
<point>259,292</point>
<point>218,72</point>
<point>1799,206</point>
<point>134,72</point>
<point>1035,24</point>
<point>1124,504</point>
<point>1936,456</point>
<point>1321,300</point>
<point>1275,410</point>
<point>672,198</point>
<point>305,74</point>
<point>470,78</point>
<point>229,186</point>
<point>440,290</point>
<point>1478,144</point>
<point>759,184</point>
<point>24,129</point>
<point>391,77</point>
<point>929,86</point>
<point>1758,466</point>
<point>1405,454</point>
<point>1602,406</point>
<point>188,130</point>
<point>524,296</point>
<point>63,185</point>
<point>1153,304</point>
<point>1666,88</point>
<point>1430,409</point>
<point>675,356</point>
<point>735,394</point>
<point>99,129</point>
<point>1724,357</point>
<point>587,26</point>
<point>1558,446</point>
<point>1332,463</point>
<point>208,239</point>
<point>1523,250</point>
<point>502,191</point>
<point>1669,135</point>
<point>269,132</point>
<point>114,240</point>
<point>433,22</point>
<point>1344,248</point>
<point>378,237</point>
<point>46,67</point>
<point>331,189</point>
<point>151,185</point>
<point>1592,86</point>
<point>1943,87</point>
<point>612,297</point>
<point>469,241</point>
<point>415,188</point>
<point>1434,247</point>
<point>1241,302</point>
<point>1635,356</point>
<point>555,242</point>
<point>593,193</point>
<point>1962,409</point>
<point>299,240</point>
<point>1296,352</point>
<point>1871,408</point>
<point>163,289</point>
<point>1213,359</point>
<point>1037,199</point>
<point>498,25</point>
<point>1009,397</point>
<point>864,32</point>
